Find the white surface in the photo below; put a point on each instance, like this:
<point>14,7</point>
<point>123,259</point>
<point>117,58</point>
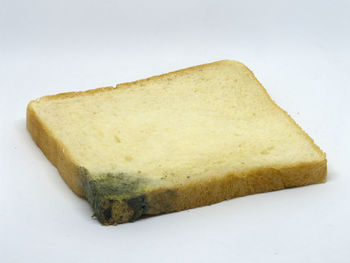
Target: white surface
<point>299,50</point>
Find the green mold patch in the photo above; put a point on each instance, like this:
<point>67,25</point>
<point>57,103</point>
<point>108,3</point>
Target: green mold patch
<point>119,185</point>
<point>118,197</point>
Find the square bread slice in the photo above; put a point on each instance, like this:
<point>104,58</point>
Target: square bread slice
<point>181,140</point>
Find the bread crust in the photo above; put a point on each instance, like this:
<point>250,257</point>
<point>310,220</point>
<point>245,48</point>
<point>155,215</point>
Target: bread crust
<point>55,151</point>
<point>194,193</point>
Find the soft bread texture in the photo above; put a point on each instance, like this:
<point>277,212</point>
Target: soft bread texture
<point>172,142</point>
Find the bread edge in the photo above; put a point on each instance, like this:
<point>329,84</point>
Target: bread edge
<point>55,151</point>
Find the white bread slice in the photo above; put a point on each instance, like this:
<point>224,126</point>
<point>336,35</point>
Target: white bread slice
<point>172,142</point>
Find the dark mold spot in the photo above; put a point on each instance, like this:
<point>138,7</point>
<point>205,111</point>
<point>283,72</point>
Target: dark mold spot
<point>139,205</point>
<point>107,213</point>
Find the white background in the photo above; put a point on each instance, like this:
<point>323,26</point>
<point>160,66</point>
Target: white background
<point>299,50</point>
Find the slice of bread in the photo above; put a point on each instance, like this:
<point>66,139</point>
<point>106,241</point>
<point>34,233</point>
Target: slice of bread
<point>172,142</point>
